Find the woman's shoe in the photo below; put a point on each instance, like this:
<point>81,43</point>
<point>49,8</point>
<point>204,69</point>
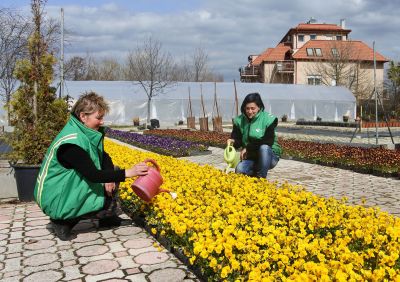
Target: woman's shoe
<point>110,221</point>
<point>62,228</point>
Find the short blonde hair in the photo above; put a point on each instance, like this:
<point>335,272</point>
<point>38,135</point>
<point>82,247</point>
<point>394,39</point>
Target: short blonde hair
<point>90,102</point>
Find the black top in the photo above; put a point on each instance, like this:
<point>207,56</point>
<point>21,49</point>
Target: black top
<point>72,156</point>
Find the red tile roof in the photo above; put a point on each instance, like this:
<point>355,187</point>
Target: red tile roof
<point>273,54</point>
<point>262,56</point>
<point>325,27</point>
<point>358,50</point>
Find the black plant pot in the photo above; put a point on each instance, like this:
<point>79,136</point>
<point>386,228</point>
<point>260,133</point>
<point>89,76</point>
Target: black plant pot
<point>25,177</point>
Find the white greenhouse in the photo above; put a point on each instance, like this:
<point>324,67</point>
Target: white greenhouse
<point>128,100</point>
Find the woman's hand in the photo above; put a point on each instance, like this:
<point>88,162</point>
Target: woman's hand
<point>230,142</point>
<point>243,154</point>
<point>137,170</point>
<point>109,188</point>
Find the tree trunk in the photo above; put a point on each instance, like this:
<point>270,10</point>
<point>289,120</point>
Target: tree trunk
<point>148,111</point>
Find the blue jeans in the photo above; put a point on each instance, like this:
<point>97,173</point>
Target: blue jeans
<point>266,160</point>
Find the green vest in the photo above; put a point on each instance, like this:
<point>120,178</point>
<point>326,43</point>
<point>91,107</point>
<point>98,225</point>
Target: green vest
<point>63,193</point>
<point>255,129</point>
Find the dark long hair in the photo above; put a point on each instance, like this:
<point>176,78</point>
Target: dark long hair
<point>252,98</point>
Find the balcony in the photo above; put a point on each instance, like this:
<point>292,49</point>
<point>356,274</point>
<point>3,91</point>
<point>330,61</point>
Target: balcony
<point>285,66</point>
<point>249,73</point>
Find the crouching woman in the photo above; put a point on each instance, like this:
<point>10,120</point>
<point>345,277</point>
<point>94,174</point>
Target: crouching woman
<point>77,177</point>
<point>254,134</point>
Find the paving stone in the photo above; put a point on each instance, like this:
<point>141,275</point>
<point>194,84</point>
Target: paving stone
<point>121,254</point>
<point>105,277</point>
<point>4,226</point>
<point>27,270</point>
<point>128,230</point>
<point>40,222</point>
<point>126,262</point>
<point>151,258</point>
<point>134,270</point>
<point>140,277</point>
<point>116,247</point>
<point>43,276</point>
<point>99,267</point>
<point>11,274</point>
<point>69,263</point>
<point>86,237</point>
<point>138,243</point>
<point>40,259</point>
<point>148,268</point>
<point>115,280</point>
<point>167,275</point>
<point>40,244</point>
<point>14,248</point>
<point>67,255</point>
<point>86,260</point>
<point>37,232</point>
<point>93,250</point>
<point>3,237</point>
<point>110,240</point>
<point>72,272</point>
<point>5,218</point>
<point>16,235</point>
<point>13,264</point>
<point>35,214</point>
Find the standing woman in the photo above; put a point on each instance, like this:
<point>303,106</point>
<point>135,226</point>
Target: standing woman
<point>77,176</point>
<point>254,132</point>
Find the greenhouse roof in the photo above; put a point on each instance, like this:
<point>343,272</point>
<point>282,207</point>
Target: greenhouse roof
<point>126,90</point>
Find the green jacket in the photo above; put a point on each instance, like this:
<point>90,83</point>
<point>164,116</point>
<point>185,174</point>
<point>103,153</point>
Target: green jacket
<point>257,131</point>
<point>63,193</point>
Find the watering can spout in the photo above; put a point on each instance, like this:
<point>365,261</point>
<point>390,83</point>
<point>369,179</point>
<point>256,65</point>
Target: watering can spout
<point>231,157</point>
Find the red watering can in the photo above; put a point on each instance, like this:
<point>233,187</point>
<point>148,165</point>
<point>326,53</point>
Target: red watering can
<point>147,186</point>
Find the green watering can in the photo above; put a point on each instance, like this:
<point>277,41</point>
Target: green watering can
<point>231,157</point>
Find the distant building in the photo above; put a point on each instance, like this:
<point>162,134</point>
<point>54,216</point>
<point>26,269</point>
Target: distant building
<point>315,53</point>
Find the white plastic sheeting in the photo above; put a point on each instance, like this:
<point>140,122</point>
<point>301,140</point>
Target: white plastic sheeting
<point>128,100</point>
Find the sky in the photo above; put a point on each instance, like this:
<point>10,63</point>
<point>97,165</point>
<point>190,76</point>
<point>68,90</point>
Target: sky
<point>228,31</point>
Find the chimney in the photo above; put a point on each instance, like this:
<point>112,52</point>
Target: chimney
<point>343,23</point>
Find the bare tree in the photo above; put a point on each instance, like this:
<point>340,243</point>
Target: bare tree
<point>109,69</point>
<point>151,68</point>
<point>75,68</point>
<point>199,60</point>
<point>393,87</point>
<point>340,67</point>
<point>13,46</point>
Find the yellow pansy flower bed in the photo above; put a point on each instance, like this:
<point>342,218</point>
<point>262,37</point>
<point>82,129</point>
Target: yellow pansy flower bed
<point>238,228</point>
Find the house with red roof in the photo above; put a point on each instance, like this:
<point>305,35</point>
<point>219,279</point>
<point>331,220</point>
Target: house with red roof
<point>318,54</point>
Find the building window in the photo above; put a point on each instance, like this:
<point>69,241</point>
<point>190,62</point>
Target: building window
<point>301,38</point>
<point>318,52</point>
<point>314,79</point>
<point>339,37</point>
<point>310,52</point>
<point>289,38</point>
<point>335,52</point>
<point>313,36</point>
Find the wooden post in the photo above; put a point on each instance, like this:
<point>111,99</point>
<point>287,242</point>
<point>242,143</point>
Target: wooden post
<point>204,120</point>
<point>236,99</point>
<point>191,120</point>
<point>217,120</point>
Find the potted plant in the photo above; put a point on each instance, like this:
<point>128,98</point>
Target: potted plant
<point>36,112</point>
<point>345,118</point>
<point>284,118</point>
<point>136,121</point>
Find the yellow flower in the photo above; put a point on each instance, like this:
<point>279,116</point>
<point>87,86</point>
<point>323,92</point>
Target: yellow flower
<point>225,271</point>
